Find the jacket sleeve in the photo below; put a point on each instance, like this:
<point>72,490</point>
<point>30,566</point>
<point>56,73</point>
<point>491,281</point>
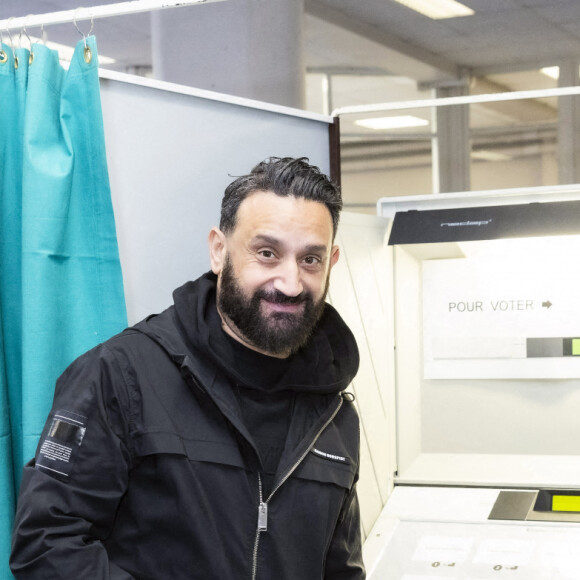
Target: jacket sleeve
<point>71,490</point>
<point>344,559</point>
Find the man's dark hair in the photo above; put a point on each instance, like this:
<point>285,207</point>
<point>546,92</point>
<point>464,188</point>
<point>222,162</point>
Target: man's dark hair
<point>285,176</point>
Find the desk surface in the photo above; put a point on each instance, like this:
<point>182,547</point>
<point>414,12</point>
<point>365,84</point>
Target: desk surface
<point>428,533</point>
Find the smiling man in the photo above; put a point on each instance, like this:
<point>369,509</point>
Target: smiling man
<point>216,439</point>
<point>282,250</point>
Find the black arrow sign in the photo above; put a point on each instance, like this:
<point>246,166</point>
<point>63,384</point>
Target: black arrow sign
<point>546,304</point>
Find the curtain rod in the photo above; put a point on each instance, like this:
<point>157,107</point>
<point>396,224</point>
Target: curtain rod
<point>464,100</point>
<point>103,11</point>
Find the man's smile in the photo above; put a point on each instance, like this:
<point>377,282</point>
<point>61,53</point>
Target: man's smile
<point>286,307</point>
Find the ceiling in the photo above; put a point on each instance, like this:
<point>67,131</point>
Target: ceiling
<point>500,48</point>
<point>379,51</point>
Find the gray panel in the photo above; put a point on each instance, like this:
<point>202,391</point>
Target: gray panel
<point>544,347</point>
<point>513,505</point>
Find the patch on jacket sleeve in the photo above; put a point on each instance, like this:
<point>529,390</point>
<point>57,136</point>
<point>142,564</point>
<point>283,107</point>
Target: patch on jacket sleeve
<point>65,434</point>
<point>331,456</point>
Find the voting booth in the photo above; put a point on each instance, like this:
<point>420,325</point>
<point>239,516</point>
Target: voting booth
<point>171,152</point>
<point>463,306</point>
<point>486,336</point>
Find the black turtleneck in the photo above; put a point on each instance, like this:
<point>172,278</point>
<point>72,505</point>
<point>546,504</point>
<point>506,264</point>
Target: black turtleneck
<point>266,417</point>
<point>265,411</point>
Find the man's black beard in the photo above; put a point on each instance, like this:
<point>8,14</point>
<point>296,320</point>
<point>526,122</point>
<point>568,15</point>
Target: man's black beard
<point>278,333</point>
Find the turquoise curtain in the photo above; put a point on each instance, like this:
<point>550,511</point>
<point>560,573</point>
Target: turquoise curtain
<point>61,289</point>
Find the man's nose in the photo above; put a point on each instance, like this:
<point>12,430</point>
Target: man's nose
<point>289,279</point>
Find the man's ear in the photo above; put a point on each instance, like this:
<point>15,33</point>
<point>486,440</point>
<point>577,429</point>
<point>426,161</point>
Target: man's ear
<point>217,250</point>
<point>334,255</point>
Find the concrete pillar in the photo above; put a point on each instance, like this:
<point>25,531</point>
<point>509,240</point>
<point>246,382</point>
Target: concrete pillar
<point>451,147</point>
<point>327,104</point>
<point>247,48</point>
<point>569,126</point>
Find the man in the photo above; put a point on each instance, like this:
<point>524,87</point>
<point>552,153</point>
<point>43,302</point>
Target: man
<point>213,440</point>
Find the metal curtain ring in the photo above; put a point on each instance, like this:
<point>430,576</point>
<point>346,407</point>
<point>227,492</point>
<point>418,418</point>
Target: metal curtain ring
<point>3,57</point>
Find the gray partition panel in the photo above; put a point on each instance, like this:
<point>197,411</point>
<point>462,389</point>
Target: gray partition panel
<point>170,154</point>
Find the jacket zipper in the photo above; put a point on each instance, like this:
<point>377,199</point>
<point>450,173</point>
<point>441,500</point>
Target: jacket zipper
<point>263,505</point>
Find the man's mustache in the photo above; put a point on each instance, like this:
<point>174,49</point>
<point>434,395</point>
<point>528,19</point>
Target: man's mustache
<point>278,297</point>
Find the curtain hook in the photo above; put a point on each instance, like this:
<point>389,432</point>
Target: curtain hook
<point>31,56</point>
<point>87,52</point>
<point>8,30</point>
<point>85,36</point>
<point>43,34</point>
<point>12,42</point>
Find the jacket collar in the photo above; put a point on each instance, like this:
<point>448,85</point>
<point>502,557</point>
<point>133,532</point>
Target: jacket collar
<point>327,364</point>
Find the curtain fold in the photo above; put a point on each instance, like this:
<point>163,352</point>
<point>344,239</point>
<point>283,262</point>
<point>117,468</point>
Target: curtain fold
<point>12,98</point>
<point>61,288</point>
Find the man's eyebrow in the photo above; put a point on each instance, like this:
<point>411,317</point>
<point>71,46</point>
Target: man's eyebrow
<point>272,241</point>
<point>316,249</point>
<point>265,239</point>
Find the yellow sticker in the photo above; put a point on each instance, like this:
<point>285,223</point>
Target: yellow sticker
<point>566,503</point>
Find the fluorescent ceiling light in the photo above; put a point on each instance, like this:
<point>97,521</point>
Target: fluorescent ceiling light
<point>438,9</point>
<point>551,71</point>
<point>65,53</point>
<point>399,122</point>
<point>486,155</point>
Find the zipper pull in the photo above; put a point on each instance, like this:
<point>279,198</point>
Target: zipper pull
<point>263,517</point>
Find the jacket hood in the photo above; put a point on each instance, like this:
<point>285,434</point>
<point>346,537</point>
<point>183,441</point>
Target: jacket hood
<point>326,364</point>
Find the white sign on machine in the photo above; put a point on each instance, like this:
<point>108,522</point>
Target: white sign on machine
<point>508,309</point>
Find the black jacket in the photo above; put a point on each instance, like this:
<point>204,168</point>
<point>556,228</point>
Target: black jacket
<point>145,470</point>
